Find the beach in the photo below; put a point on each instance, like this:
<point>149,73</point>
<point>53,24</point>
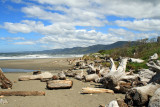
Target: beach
<point>53,98</point>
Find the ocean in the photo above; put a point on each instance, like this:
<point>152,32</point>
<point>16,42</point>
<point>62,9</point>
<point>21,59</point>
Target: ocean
<point>9,56</point>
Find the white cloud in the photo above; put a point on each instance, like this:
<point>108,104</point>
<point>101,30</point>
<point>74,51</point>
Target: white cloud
<point>141,25</point>
<point>12,38</point>
<point>62,35</point>
<point>131,36</point>
<point>25,43</point>
<point>17,27</point>
<point>123,8</point>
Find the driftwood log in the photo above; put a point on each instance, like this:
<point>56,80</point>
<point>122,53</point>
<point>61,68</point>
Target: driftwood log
<point>113,103</point>
<point>91,77</point>
<point>36,72</point>
<point>113,77</point>
<point>59,84</point>
<point>80,76</point>
<point>139,96</point>
<point>22,93</point>
<point>136,60</point>
<point>89,90</point>
<point>155,100</point>
<point>117,103</point>
<point>154,56</point>
<point>5,83</point>
<point>35,77</point>
<point>62,75</point>
<point>117,79</point>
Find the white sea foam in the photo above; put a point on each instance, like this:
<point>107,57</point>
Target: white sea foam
<point>37,56</point>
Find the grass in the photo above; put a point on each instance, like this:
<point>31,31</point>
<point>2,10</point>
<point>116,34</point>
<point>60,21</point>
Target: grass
<point>136,66</point>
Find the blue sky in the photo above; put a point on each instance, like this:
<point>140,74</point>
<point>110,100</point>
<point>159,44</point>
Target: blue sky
<point>32,25</point>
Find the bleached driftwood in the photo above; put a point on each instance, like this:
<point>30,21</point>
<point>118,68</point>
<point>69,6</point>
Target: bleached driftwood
<point>80,76</point>
<point>62,76</point>
<point>155,100</point>
<point>83,66</point>
<point>154,66</point>
<point>140,96</point>
<point>146,75</point>
<point>35,77</point>
<point>117,103</point>
<point>91,77</point>
<point>154,56</point>
<point>22,93</point>
<point>70,73</point>
<point>89,90</point>
<point>113,103</point>
<point>104,71</point>
<point>6,83</point>
<point>112,78</point>
<point>59,84</point>
<point>136,60</point>
<point>92,69</point>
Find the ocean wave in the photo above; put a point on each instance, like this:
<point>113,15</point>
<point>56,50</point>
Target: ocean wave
<point>37,56</point>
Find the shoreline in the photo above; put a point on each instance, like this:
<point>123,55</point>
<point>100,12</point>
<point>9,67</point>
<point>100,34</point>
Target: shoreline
<point>48,64</point>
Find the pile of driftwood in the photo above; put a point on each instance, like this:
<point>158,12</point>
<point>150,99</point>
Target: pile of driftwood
<point>52,82</point>
<point>141,89</point>
<point>58,81</point>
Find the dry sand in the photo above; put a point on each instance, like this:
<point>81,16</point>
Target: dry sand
<point>53,98</point>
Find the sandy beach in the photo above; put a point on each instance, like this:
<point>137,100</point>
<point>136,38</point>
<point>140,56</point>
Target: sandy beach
<point>53,98</point>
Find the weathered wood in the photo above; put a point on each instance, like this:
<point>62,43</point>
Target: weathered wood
<point>59,84</point>
<point>121,103</point>
<point>91,77</point>
<point>112,78</point>
<point>22,93</point>
<point>36,72</point>
<point>146,75</point>
<point>136,60</point>
<point>154,56</point>
<point>55,77</point>
<point>70,73</point>
<point>80,76</point>
<point>89,90</point>
<point>45,79</point>
<point>155,100</point>
<point>6,83</point>
<point>113,103</point>
<point>35,77</point>
<point>139,96</point>
<point>62,76</point>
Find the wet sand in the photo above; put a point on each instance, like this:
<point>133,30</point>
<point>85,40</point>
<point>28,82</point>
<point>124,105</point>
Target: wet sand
<point>53,98</point>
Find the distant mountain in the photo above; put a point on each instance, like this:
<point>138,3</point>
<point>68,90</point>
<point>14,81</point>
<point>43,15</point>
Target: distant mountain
<point>85,50</point>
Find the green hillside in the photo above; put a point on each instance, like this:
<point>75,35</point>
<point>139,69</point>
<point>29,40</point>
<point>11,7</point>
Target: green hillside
<point>141,50</point>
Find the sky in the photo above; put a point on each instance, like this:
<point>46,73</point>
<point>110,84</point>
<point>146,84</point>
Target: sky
<point>34,25</point>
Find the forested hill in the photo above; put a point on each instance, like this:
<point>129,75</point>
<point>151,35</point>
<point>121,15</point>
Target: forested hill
<point>85,50</point>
